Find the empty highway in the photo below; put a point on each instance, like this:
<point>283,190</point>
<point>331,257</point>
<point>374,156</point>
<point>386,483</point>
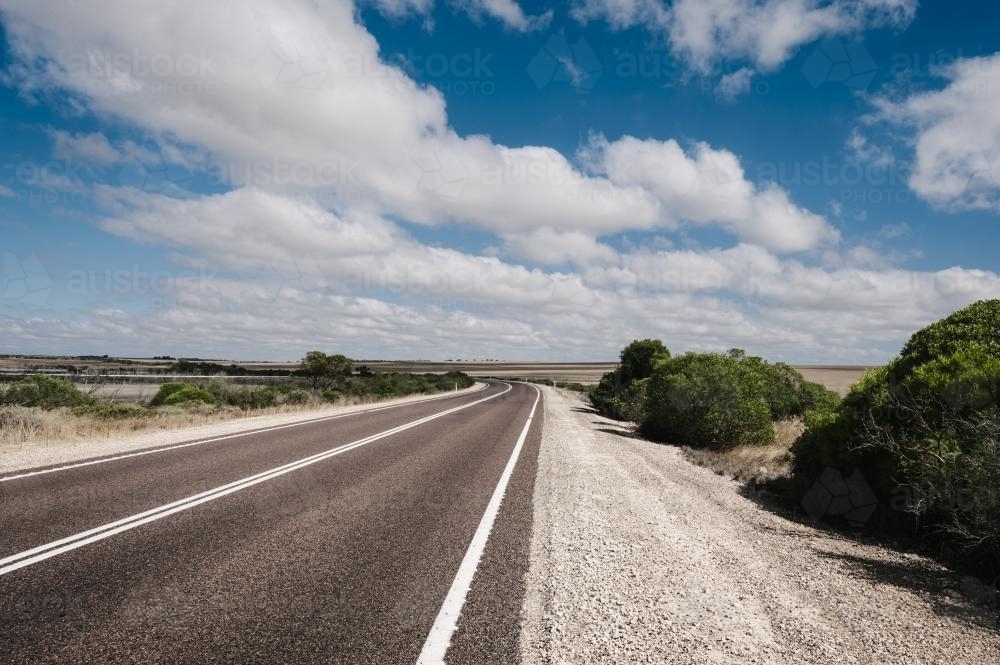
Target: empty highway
<point>364,538</point>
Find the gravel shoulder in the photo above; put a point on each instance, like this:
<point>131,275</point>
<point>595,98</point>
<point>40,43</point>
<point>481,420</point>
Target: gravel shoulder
<point>639,556</point>
<point>16,457</point>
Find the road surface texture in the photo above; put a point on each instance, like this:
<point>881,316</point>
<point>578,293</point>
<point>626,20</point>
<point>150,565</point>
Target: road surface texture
<point>282,547</point>
<point>638,556</point>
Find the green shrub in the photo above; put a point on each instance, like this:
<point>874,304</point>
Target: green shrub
<point>332,395</point>
<point>188,395</point>
<point>165,391</point>
<point>976,324</point>
<point>707,400</point>
<point>297,396</point>
<point>785,390</point>
<point>111,411</point>
<point>44,392</point>
<point>925,430</point>
<point>246,398</point>
<point>616,396</point>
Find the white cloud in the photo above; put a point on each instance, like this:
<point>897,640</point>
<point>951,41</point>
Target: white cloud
<point>893,231</point>
<point>735,84</point>
<point>404,299</point>
<point>508,12</point>
<point>552,249</point>
<point>708,186</point>
<point>957,134</point>
<point>300,89</point>
<point>864,152</point>
<point>355,109</point>
<point>93,148</point>
<point>398,8</point>
<point>765,33</point>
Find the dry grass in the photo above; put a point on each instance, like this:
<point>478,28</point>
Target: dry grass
<point>755,464</point>
<point>21,425</point>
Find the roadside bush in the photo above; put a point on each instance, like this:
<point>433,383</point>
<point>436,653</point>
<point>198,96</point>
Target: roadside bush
<point>332,395</point>
<point>111,411</point>
<point>165,391</point>
<point>246,398</point>
<point>925,431</point>
<point>707,400</point>
<point>44,392</point>
<point>619,394</point>
<point>297,396</point>
<point>188,395</point>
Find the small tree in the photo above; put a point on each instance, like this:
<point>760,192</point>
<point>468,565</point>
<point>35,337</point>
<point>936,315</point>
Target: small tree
<point>323,368</point>
<point>315,364</point>
<point>639,358</point>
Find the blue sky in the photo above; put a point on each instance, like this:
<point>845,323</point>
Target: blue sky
<point>482,179</point>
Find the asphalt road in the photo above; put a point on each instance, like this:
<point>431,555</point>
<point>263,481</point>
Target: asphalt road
<point>283,546</point>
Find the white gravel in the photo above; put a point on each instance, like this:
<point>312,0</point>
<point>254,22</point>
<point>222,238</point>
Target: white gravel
<point>639,556</point>
<point>16,457</point>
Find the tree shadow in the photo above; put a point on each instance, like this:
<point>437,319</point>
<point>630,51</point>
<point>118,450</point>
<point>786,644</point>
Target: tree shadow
<point>957,593</point>
<point>963,598</point>
<point>586,409</point>
<point>630,434</point>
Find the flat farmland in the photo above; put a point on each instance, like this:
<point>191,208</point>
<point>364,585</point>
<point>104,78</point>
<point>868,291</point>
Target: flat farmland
<point>835,377</point>
<point>838,378</point>
<point>572,372</point>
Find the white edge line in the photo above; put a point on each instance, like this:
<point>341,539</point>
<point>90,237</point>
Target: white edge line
<point>22,559</point>
<point>439,638</point>
<point>152,451</point>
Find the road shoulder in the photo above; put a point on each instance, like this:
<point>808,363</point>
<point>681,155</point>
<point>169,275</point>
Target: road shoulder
<point>41,454</point>
<point>637,555</point>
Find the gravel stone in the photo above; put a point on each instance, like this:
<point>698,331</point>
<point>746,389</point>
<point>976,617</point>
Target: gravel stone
<point>640,556</point>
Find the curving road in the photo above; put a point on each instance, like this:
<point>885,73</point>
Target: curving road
<point>358,539</point>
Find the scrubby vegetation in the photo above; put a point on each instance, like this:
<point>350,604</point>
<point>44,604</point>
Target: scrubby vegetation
<point>39,404</point>
<point>43,392</point>
<point>925,432</point>
<point>705,400</point>
<point>621,393</point>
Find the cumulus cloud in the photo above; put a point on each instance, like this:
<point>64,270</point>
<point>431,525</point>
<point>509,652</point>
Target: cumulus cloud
<point>736,83</point>
<point>508,12</point>
<point>709,186</point>
<point>765,33</point>
<point>344,151</point>
<point>957,133</point>
<point>305,86</point>
<point>93,148</point>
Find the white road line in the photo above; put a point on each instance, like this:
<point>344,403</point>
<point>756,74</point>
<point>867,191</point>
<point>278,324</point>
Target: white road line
<point>42,552</point>
<point>439,638</point>
<point>236,435</point>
